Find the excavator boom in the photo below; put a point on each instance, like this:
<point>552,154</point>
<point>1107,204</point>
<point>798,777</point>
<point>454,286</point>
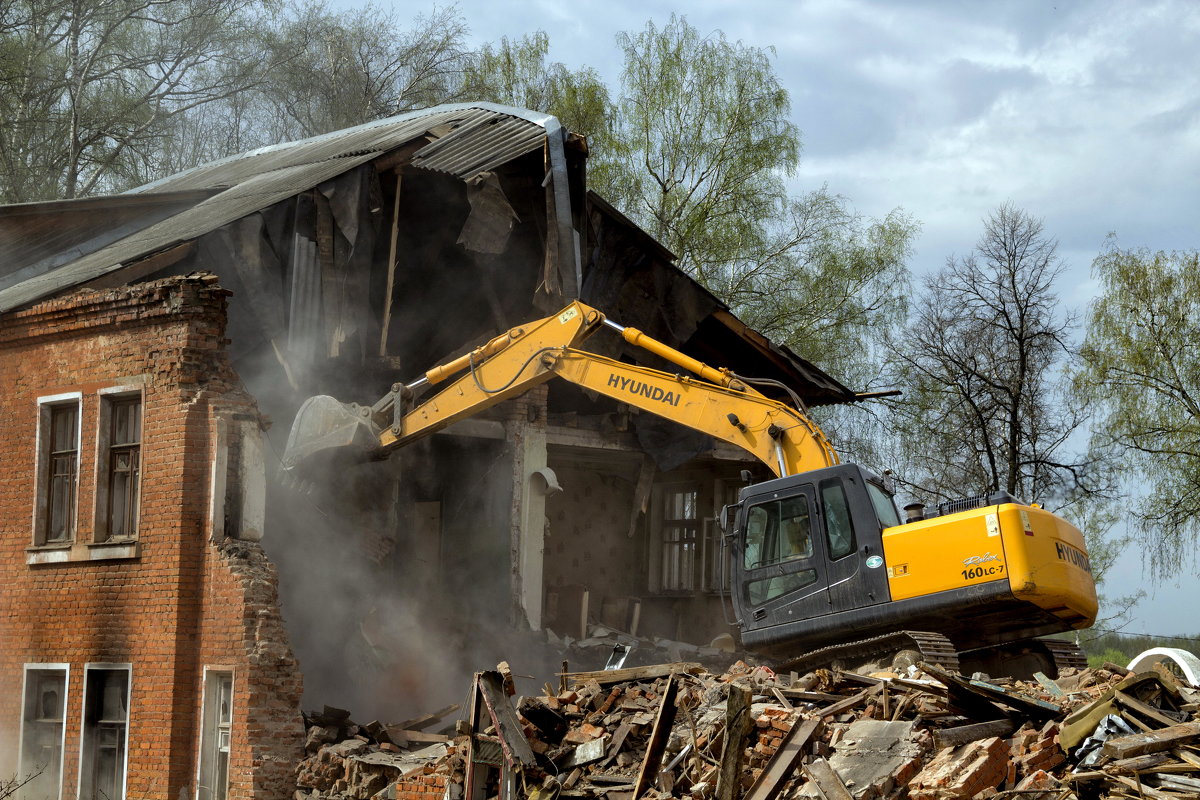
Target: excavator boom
<point>710,400</point>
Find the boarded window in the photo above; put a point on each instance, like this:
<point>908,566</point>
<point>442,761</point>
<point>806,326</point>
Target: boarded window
<point>45,706</point>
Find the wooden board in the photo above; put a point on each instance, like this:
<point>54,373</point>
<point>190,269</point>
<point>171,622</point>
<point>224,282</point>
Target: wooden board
<point>651,672</point>
<point>782,766</point>
<point>658,740</point>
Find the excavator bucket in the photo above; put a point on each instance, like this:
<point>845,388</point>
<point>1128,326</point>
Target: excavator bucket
<point>327,432</point>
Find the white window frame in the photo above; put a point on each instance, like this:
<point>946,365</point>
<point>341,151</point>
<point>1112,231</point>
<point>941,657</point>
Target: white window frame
<point>23,768</point>
<point>108,396</point>
<point>83,739</point>
<point>41,499</point>
<point>209,726</point>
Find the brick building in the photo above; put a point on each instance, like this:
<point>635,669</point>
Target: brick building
<point>143,414</point>
<point>130,625</point>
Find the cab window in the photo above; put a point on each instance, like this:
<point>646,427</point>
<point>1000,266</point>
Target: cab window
<point>885,509</point>
<point>778,531</point>
<point>838,528</point>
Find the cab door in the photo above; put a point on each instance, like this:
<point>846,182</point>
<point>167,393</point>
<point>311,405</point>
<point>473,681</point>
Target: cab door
<point>782,559</point>
<point>853,527</point>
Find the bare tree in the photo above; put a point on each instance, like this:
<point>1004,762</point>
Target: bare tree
<point>980,363</point>
<point>336,70</point>
<point>88,90</point>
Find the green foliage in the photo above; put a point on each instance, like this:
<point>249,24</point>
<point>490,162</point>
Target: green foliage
<point>1120,648</point>
<point>1097,660</point>
<point>89,91</point>
<point>339,69</point>
<point>516,73</point>
<point>705,144</point>
<point>1141,364</point>
<point>99,97</point>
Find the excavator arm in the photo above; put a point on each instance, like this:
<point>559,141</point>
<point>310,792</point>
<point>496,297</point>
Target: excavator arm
<point>713,401</point>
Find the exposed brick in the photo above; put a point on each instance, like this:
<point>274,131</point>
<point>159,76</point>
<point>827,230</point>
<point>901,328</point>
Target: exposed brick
<point>962,772</point>
<point>185,602</point>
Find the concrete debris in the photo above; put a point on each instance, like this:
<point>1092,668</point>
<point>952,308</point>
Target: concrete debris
<point>677,730</point>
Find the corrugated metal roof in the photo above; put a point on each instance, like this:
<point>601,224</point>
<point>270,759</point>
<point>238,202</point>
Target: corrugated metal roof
<point>482,137</point>
<point>479,146</point>
<point>38,237</point>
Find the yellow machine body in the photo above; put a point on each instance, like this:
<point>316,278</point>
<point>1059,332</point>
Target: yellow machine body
<point>1041,556</point>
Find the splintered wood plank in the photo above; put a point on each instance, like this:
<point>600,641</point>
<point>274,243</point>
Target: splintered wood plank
<point>618,741</point>
<point>401,737</point>
<point>782,766</point>
<point>658,740</point>
<point>425,720</point>
<point>604,676</point>
<point>849,702</point>
<point>1152,741</point>
<point>1145,709</point>
<point>965,734</point>
<point>391,273</point>
<point>738,723</point>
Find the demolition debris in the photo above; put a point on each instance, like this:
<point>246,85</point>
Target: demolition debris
<point>676,730</point>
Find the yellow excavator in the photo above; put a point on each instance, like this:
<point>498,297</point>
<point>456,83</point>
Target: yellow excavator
<point>822,569</point>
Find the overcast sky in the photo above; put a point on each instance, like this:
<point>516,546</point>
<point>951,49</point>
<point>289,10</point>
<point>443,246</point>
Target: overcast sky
<point>1085,114</point>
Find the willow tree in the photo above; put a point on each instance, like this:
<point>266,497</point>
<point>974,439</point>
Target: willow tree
<point>1141,365</point>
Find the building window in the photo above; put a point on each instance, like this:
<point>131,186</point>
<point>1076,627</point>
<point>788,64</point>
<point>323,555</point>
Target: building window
<point>215,735</point>
<point>718,559</point>
<point>105,733</point>
<point>58,471</point>
<point>679,531</point>
<point>45,705</point>
<point>118,470</point>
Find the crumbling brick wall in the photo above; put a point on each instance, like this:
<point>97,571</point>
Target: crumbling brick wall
<point>176,600</point>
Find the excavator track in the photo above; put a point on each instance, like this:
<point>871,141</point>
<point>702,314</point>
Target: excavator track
<point>1066,654</point>
<point>1023,658</point>
<point>932,647</point>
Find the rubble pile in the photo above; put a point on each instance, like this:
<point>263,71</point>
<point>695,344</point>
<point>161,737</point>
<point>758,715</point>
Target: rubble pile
<point>676,730</point>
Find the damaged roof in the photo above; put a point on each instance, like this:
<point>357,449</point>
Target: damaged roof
<point>51,247</point>
<point>465,140</point>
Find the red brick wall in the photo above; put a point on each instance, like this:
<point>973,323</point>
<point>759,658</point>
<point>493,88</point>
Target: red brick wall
<point>183,602</point>
<point>421,786</point>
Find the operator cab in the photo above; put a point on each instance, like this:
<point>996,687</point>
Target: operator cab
<point>806,546</point>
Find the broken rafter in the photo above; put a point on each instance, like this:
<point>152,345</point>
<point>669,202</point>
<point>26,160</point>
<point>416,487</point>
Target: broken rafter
<point>391,274</point>
<point>606,676</point>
